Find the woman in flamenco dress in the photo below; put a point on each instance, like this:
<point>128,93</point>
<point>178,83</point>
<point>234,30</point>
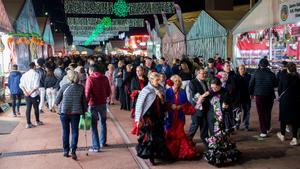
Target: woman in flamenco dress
<point>149,116</point>
<point>221,150</point>
<point>137,84</point>
<point>178,106</point>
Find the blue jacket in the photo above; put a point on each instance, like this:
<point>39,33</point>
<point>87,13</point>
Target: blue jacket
<point>14,81</point>
<point>165,69</point>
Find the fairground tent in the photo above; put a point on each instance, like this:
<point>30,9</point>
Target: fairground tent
<point>27,23</point>
<point>211,33</point>
<point>174,46</point>
<point>154,45</point>
<point>46,32</point>
<point>6,49</point>
<point>48,48</point>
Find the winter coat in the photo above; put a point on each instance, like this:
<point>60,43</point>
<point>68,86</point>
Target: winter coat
<point>119,78</point>
<point>165,69</point>
<point>289,100</point>
<point>51,81</point>
<point>196,88</point>
<point>14,81</point>
<point>42,73</point>
<point>97,89</point>
<point>71,99</point>
<point>263,82</point>
<point>232,88</point>
<point>185,76</point>
<point>243,83</point>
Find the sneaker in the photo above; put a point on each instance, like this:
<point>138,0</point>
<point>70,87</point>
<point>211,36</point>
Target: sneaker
<point>14,115</point>
<point>94,150</point>
<point>28,126</point>
<point>287,129</point>
<point>263,135</point>
<point>294,142</point>
<point>39,123</point>
<point>18,113</point>
<point>280,136</point>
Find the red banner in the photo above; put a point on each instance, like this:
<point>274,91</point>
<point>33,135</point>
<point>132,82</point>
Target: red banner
<point>249,44</point>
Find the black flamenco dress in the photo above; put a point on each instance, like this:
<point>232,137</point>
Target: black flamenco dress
<point>221,150</point>
<point>151,141</point>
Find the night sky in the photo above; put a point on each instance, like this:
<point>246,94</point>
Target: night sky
<point>57,16</point>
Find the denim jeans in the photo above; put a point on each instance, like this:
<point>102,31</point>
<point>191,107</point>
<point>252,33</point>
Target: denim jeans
<point>66,120</point>
<point>32,101</point>
<point>199,121</point>
<point>246,113</point>
<point>98,113</point>
<point>16,102</point>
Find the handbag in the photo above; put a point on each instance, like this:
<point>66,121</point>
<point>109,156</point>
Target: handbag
<point>85,122</point>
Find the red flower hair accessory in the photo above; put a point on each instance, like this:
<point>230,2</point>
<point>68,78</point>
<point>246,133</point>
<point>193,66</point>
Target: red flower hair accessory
<point>169,82</point>
<point>219,76</point>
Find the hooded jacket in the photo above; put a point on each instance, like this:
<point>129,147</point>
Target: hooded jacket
<point>97,89</point>
<point>14,81</point>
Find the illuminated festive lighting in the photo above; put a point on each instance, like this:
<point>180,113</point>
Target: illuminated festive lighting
<point>91,27</point>
<point>100,28</point>
<point>121,8</point>
<point>107,8</point>
<point>130,22</point>
<point>106,22</point>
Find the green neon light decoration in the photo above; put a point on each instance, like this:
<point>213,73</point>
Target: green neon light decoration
<point>121,8</point>
<point>99,28</point>
<point>106,21</point>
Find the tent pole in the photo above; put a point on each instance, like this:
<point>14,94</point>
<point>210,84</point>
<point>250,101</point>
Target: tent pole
<point>186,48</point>
<point>270,44</point>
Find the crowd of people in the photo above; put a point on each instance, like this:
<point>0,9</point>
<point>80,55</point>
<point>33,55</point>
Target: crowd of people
<point>159,96</point>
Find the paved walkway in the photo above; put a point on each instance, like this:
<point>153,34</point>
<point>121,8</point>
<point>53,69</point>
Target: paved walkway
<point>40,147</point>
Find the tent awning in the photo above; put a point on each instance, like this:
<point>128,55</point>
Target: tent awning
<point>262,15</point>
<point>13,8</point>
<point>189,18</point>
<point>27,22</point>
<point>5,25</point>
<point>228,19</point>
<point>42,23</point>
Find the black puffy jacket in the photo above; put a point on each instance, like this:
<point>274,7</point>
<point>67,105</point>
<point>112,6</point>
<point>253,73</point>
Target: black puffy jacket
<point>263,83</point>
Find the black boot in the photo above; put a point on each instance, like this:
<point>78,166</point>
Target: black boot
<point>74,156</point>
<point>66,154</point>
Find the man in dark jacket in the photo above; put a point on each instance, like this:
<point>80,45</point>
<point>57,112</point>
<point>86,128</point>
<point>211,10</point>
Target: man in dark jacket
<point>97,90</point>
<point>243,80</point>
<point>15,91</point>
<point>234,91</point>
<point>262,86</point>
<point>198,87</point>
<point>42,73</point>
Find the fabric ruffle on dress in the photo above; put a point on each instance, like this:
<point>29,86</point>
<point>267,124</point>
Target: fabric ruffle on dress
<point>176,140</point>
<point>220,149</point>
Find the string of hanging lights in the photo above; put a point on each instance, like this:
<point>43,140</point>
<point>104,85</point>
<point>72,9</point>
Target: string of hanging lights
<point>119,8</point>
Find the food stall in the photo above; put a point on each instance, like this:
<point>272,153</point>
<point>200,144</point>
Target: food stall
<point>275,36</point>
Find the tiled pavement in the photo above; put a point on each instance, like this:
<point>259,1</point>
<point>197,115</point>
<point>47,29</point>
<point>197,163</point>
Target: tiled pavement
<point>40,147</point>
